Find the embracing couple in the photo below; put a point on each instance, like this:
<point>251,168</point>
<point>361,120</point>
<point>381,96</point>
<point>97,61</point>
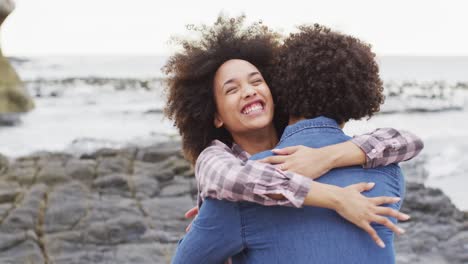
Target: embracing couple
<point>261,119</point>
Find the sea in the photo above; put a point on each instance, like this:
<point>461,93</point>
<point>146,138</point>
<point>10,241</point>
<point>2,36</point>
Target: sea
<point>88,102</point>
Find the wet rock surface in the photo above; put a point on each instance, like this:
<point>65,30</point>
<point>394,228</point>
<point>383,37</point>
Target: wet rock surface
<point>437,231</point>
<point>127,206</point>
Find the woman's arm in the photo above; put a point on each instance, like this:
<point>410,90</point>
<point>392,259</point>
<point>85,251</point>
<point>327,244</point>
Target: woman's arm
<point>223,175</point>
<point>355,207</point>
<point>378,148</point>
<point>385,146</point>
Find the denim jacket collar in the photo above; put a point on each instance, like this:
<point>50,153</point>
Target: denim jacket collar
<point>318,122</point>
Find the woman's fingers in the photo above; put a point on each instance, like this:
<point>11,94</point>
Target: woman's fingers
<point>386,222</point>
<point>192,212</point>
<point>391,212</point>
<point>286,151</point>
<point>371,231</point>
<point>274,159</point>
<point>283,166</point>
<point>188,227</point>
<point>385,200</point>
<point>363,186</point>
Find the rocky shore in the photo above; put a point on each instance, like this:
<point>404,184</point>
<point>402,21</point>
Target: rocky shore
<point>114,206</point>
<point>127,206</point>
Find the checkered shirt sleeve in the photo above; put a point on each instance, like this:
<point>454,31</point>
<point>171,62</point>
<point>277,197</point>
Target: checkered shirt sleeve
<point>385,146</point>
<point>226,173</point>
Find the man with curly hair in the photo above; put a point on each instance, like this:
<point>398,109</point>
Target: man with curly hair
<point>320,72</point>
<point>323,79</point>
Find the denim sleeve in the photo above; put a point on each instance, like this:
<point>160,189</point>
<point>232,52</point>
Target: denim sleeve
<point>215,235</point>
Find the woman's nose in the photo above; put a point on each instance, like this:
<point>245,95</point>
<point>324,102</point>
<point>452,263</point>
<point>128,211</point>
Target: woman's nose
<point>249,91</point>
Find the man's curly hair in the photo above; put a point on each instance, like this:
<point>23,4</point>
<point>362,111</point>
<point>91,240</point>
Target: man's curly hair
<point>322,72</point>
<point>190,92</point>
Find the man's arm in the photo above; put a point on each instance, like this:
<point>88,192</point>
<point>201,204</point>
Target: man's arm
<point>215,235</point>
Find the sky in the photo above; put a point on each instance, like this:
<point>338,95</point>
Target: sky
<point>144,27</point>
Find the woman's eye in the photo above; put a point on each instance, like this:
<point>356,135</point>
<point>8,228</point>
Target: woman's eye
<point>257,81</point>
<point>231,90</point>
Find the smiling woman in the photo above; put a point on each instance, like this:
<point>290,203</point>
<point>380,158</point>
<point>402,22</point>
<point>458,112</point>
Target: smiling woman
<point>244,102</point>
<point>191,75</point>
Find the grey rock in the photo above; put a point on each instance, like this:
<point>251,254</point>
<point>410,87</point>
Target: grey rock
<point>116,184</point>
<point>9,240</point>
<point>110,165</point>
<point>436,232</point>
<point>66,206</point>
<point>180,166</point>
<point>167,214</point>
<point>178,187</point>
<point>145,187</point>
<point>159,152</point>
<point>4,209</point>
<point>22,172</point>
<point>14,98</point>
<point>3,164</point>
<point>158,171</point>
<point>81,170</point>
<point>6,7</point>
<point>117,230</point>
<point>127,153</point>
<point>9,192</point>
<point>43,158</point>
<point>52,173</point>
<point>27,252</point>
<point>25,216</point>
<point>144,253</point>
<point>103,208</point>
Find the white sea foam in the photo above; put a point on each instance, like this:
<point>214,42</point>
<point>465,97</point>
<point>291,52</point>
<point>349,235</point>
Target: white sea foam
<point>110,117</point>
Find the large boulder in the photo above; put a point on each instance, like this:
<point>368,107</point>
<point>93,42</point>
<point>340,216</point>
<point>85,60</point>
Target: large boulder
<point>13,96</point>
<point>6,7</point>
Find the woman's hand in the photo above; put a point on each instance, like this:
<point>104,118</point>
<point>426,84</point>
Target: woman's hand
<point>192,213</point>
<point>310,162</point>
<point>362,211</point>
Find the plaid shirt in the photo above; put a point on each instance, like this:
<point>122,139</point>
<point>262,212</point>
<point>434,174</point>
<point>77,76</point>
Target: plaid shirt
<point>227,173</point>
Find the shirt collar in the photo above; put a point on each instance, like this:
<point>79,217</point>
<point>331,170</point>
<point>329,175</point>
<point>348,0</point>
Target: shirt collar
<point>317,122</point>
<point>235,149</point>
<point>239,152</point>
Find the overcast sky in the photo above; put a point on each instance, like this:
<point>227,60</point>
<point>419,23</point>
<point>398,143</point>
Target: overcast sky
<point>398,27</point>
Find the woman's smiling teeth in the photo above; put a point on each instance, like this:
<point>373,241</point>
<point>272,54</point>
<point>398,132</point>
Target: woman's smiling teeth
<point>252,108</point>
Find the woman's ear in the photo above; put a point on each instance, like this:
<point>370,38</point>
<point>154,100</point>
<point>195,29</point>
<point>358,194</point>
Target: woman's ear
<point>217,121</point>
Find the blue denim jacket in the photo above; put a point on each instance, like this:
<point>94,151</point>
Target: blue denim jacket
<point>258,234</point>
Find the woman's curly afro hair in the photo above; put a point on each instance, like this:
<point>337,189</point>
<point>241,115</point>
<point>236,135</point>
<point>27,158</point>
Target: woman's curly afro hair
<point>190,76</point>
<point>322,72</point>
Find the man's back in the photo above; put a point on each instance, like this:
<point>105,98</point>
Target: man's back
<point>261,234</point>
<point>290,235</point>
